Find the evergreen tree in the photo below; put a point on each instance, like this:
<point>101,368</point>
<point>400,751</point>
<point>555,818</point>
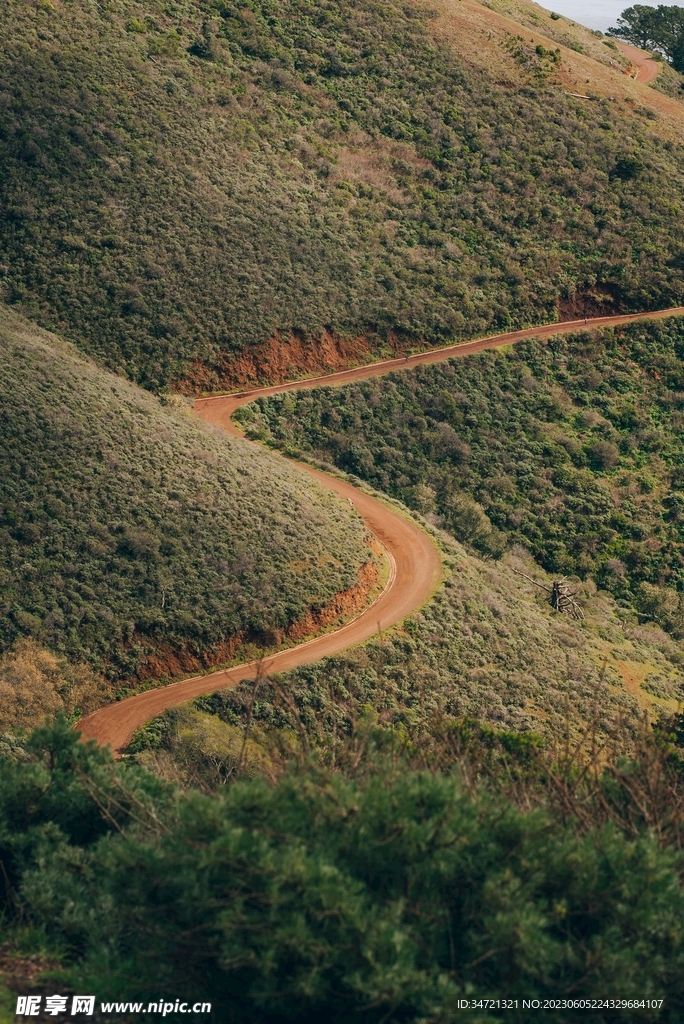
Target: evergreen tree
<point>660,29</point>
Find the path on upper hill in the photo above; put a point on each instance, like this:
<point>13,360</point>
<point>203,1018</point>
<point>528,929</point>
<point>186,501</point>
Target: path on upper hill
<point>646,67</point>
<point>414,558</point>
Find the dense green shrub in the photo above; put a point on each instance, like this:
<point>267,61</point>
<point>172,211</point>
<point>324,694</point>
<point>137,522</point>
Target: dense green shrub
<point>127,527</point>
<point>179,185</point>
<point>384,899</point>
<point>573,447</point>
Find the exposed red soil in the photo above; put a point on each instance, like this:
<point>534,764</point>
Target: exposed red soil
<point>171,661</point>
<point>414,558</point>
<point>644,69</point>
<point>344,604</point>
<point>280,358</point>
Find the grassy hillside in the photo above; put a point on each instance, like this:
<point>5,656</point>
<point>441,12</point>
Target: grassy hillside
<point>138,539</point>
<point>487,646</point>
<point>186,180</point>
<point>573,448</point>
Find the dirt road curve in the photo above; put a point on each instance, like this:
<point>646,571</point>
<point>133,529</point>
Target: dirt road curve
<point>414,573</point>
<point>646,68</point>
<point>219,408</point>
<point>415,562</point>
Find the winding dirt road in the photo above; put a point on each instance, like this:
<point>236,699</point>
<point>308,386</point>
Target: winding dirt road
<point>645,68</point>
<point>414,559</point>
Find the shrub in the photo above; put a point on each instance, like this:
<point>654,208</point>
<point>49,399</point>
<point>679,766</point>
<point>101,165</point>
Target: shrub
<point>628,167</point>
<point>289,902</point>
<point>604,455</point>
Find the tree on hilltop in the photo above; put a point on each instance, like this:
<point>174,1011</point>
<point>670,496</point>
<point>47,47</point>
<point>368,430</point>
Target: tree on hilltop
<point>654,28</point>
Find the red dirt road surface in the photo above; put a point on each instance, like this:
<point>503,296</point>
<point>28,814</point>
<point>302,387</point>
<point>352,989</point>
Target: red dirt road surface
<point>414,573</point>
<point>646,68</point>
<point>414,559</point>
<point>218,409</point>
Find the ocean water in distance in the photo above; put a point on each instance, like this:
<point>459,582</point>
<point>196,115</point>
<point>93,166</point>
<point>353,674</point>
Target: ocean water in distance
<point>597,14</point>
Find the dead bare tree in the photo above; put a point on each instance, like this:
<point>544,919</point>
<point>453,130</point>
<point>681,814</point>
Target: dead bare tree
<point>562,597</point>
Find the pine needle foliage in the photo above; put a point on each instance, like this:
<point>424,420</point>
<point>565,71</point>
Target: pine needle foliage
<point>385,898</point>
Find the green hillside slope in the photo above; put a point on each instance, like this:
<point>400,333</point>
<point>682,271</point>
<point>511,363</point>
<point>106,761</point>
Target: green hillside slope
<point>136,538</point>
<point>487,646</point>
<point>574,448</point>
<point>185,180</point>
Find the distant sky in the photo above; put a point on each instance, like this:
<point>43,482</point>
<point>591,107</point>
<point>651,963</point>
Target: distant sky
<point>600,14</point>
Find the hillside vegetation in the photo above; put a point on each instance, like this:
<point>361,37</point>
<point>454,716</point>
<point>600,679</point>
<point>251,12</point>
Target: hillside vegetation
<point>139,540</point>
<point>573,448</point>
<point>183,181</point>
<point>486,647</point>
<point>290,902</point>
<point>35,685</point>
